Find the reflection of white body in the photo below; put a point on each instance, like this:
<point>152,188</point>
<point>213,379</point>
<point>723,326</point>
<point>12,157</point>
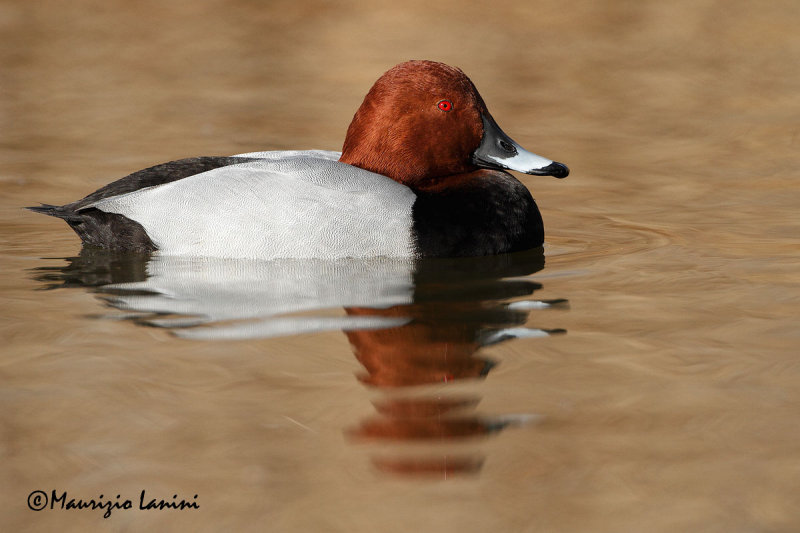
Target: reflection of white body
<point>211,298</point>
<point>283,204</point>
<point>251,298</point>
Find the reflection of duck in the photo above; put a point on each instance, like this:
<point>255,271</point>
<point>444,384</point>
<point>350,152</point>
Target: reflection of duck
<point>432,420</point>
<point>457,309</point>
<point>223,299</point>
<point>428,418</point>
<point>421,173</point>
<point>410,323</point>
<point>95,267</point>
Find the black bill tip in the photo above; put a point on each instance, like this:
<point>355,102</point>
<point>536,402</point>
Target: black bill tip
<point>557,170</point>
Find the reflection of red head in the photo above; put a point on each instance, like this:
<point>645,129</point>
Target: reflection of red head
<point>424,407</point>
<point>430,420</point>
<point>424,419</point>
<point>424,428</point>
<point>439,466</point>
<point>417,353</point>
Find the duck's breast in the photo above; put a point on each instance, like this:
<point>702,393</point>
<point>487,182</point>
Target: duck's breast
<point>486,212</point>
<point>277,204</point>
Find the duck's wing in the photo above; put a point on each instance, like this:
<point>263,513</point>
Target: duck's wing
<point>169,172</point>
<point>290,204</point>
<point>156,175</point>
<point>148,177</point>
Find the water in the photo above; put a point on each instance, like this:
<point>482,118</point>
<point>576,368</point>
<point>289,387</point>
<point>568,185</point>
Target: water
<point>654,389</point>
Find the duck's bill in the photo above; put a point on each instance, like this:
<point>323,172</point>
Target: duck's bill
<point>498,150</point>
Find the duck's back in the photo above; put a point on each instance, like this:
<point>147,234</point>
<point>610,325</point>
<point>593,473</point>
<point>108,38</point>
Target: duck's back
<point>274,204</point>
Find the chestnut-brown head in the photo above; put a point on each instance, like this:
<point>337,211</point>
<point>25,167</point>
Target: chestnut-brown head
<point>423,120</point>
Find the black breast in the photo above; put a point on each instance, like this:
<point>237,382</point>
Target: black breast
<point>482,213</point>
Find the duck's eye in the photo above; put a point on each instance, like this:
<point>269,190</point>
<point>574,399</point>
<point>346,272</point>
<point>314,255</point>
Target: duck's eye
<point>445,105</point>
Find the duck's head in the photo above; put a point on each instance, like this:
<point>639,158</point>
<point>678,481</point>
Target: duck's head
<point>424,119</point>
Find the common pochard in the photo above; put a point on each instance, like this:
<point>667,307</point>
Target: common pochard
<point>423,172</point>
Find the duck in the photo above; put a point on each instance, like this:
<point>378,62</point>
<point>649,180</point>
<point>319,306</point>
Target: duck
<point>423,172</point>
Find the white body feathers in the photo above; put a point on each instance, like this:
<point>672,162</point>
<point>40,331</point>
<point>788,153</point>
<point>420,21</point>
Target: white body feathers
<point>289,204</point>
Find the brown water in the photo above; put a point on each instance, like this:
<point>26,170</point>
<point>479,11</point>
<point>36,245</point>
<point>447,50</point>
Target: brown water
<point>670,404</point>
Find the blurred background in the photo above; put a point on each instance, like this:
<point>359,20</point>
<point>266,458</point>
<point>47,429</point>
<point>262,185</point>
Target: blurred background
<point>668,406</point>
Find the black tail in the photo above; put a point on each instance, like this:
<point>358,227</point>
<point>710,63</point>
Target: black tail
<point>101,229</point>
<point>53,211</point>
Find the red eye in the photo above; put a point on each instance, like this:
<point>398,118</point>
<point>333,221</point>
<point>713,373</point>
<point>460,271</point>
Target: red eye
<point>445,105</point>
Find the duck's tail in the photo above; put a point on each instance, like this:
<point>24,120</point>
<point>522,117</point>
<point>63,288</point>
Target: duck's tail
<point>58,211</point>
<point>101,229</point>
